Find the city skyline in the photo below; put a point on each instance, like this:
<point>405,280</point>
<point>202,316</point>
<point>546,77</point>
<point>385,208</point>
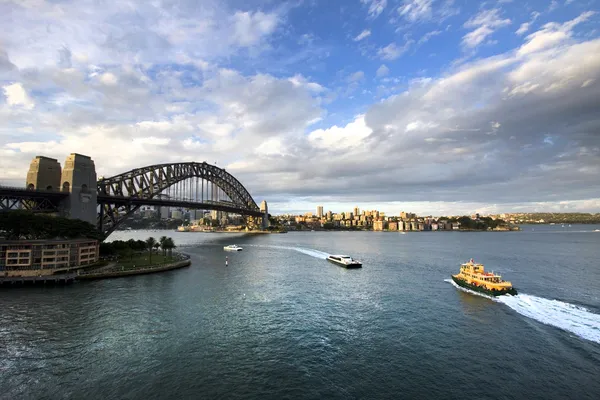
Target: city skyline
<point>434,106</point>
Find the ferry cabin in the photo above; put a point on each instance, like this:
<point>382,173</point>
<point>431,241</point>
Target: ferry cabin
<point>475,274</point>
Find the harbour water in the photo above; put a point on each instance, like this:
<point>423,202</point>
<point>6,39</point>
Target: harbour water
<point>279,321</point>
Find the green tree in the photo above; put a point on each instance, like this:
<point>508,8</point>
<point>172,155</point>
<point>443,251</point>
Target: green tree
<point>150,242</point>
<point>170,246</point>
<point>163,242</point>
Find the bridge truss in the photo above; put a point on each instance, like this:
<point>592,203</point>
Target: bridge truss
<point>190,185</point>
<point>12,198</point>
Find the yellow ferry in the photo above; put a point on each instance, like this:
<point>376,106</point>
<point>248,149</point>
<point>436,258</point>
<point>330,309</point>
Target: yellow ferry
<point>473,276</point>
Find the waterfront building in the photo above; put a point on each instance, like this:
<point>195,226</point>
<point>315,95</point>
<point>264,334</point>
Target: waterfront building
<point>393,226</point>
<point>320,211</point>
<point>176,214</point>
<point>378,225</point>
<point>43,257</point>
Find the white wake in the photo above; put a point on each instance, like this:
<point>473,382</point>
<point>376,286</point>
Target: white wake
<point>569,317</point>
<point>311,252</point>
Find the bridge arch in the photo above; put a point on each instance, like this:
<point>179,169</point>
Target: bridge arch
<point>121,195</point>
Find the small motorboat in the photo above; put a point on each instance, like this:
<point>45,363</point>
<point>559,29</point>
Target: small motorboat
<point>232,247</point>
<point>344,261</point>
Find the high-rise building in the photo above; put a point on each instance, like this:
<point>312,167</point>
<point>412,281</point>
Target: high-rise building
<point>356,211</point>
<point>320,211</point>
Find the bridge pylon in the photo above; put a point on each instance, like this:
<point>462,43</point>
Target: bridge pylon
<point>79,180</point>
<point>265,217</point>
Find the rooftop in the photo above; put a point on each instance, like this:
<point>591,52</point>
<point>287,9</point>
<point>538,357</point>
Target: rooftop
<point>44,241</point>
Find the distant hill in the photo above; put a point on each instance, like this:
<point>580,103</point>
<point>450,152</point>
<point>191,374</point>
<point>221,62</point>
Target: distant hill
<point>547,218</point>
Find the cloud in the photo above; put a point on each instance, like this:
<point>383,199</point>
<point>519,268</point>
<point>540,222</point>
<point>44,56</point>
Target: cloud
<point>349,136</point>
<point>523,28</point>
<point>300,81</point>
<point>16,96</point>
<point>426,37</point>
<point>73,33</point>
<point>485,23</point>
<point>382,71</point>
<point>495,133</point>
<point>552,34</point>
<point>364,34</point>
<point>249,28</point>
<point>376,7</point>
<point>356,77</point>
<point>414,10</point>
<point>392,51</point>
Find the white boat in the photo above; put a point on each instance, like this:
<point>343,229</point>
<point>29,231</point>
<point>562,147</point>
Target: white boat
<point>232,247</point>
<point>344,261</point>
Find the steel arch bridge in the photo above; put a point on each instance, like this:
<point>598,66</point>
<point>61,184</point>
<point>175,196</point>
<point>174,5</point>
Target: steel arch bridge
<point>121,195</point>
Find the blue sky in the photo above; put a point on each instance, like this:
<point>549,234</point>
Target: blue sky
<point>433,106</point>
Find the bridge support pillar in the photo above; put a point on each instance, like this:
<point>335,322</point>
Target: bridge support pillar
<point>43,174</point>
<point>79,179</point>
<point>265,217</point>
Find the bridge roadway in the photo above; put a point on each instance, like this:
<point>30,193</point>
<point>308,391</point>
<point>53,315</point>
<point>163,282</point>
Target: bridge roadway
<point>206,205</point>
<point>15,193</point>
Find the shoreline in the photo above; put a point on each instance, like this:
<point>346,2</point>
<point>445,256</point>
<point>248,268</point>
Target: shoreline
<point>74,275</point>
<point>131,272</point>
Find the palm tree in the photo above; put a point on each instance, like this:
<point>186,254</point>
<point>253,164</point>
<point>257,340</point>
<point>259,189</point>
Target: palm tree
<point>157,246</point>
<point>150,242</point>
<point>170,246</point>
<point>163,244</point>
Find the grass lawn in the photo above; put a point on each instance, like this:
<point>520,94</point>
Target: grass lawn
<point>143,260</point>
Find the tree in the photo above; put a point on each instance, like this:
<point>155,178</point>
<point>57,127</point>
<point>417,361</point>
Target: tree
<point>150,242</point>
<point>170,246</point>
<point>21,224</point>
<point>156,246</point>
<point>163,244</point>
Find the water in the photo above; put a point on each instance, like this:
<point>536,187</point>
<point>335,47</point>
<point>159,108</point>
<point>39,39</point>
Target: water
<point>281,322</point>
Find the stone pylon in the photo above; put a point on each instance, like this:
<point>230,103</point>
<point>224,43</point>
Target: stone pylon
<point>79,179</point>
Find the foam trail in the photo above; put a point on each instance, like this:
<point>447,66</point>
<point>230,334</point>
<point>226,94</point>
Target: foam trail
<point>311,252</point>
<point>568,317</point>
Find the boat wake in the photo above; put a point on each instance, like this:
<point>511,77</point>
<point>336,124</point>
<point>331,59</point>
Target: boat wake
<point>568,317</point>
<point>310,252</point>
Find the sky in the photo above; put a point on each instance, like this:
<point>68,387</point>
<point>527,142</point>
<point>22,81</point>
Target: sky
<point>430,106</point>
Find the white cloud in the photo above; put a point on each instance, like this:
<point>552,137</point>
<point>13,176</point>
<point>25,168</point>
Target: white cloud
<point>392,51</point>
<point>108,79</point>
<point>300,81</point>
<point>474,133</point>
<point>249,28</point>
<point>17,96</point>
<point>552,34</point>
<point>341,138</point>
<point>426,37</point>
<point>364,34</point>
<point>356,77</point>
<point>151,140</point>
<point>485,23</point>
<point>587,82</point>
<point>376,7</point>
<point>382,71</point>
<point>414,10</point>
<point>523,28</point>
